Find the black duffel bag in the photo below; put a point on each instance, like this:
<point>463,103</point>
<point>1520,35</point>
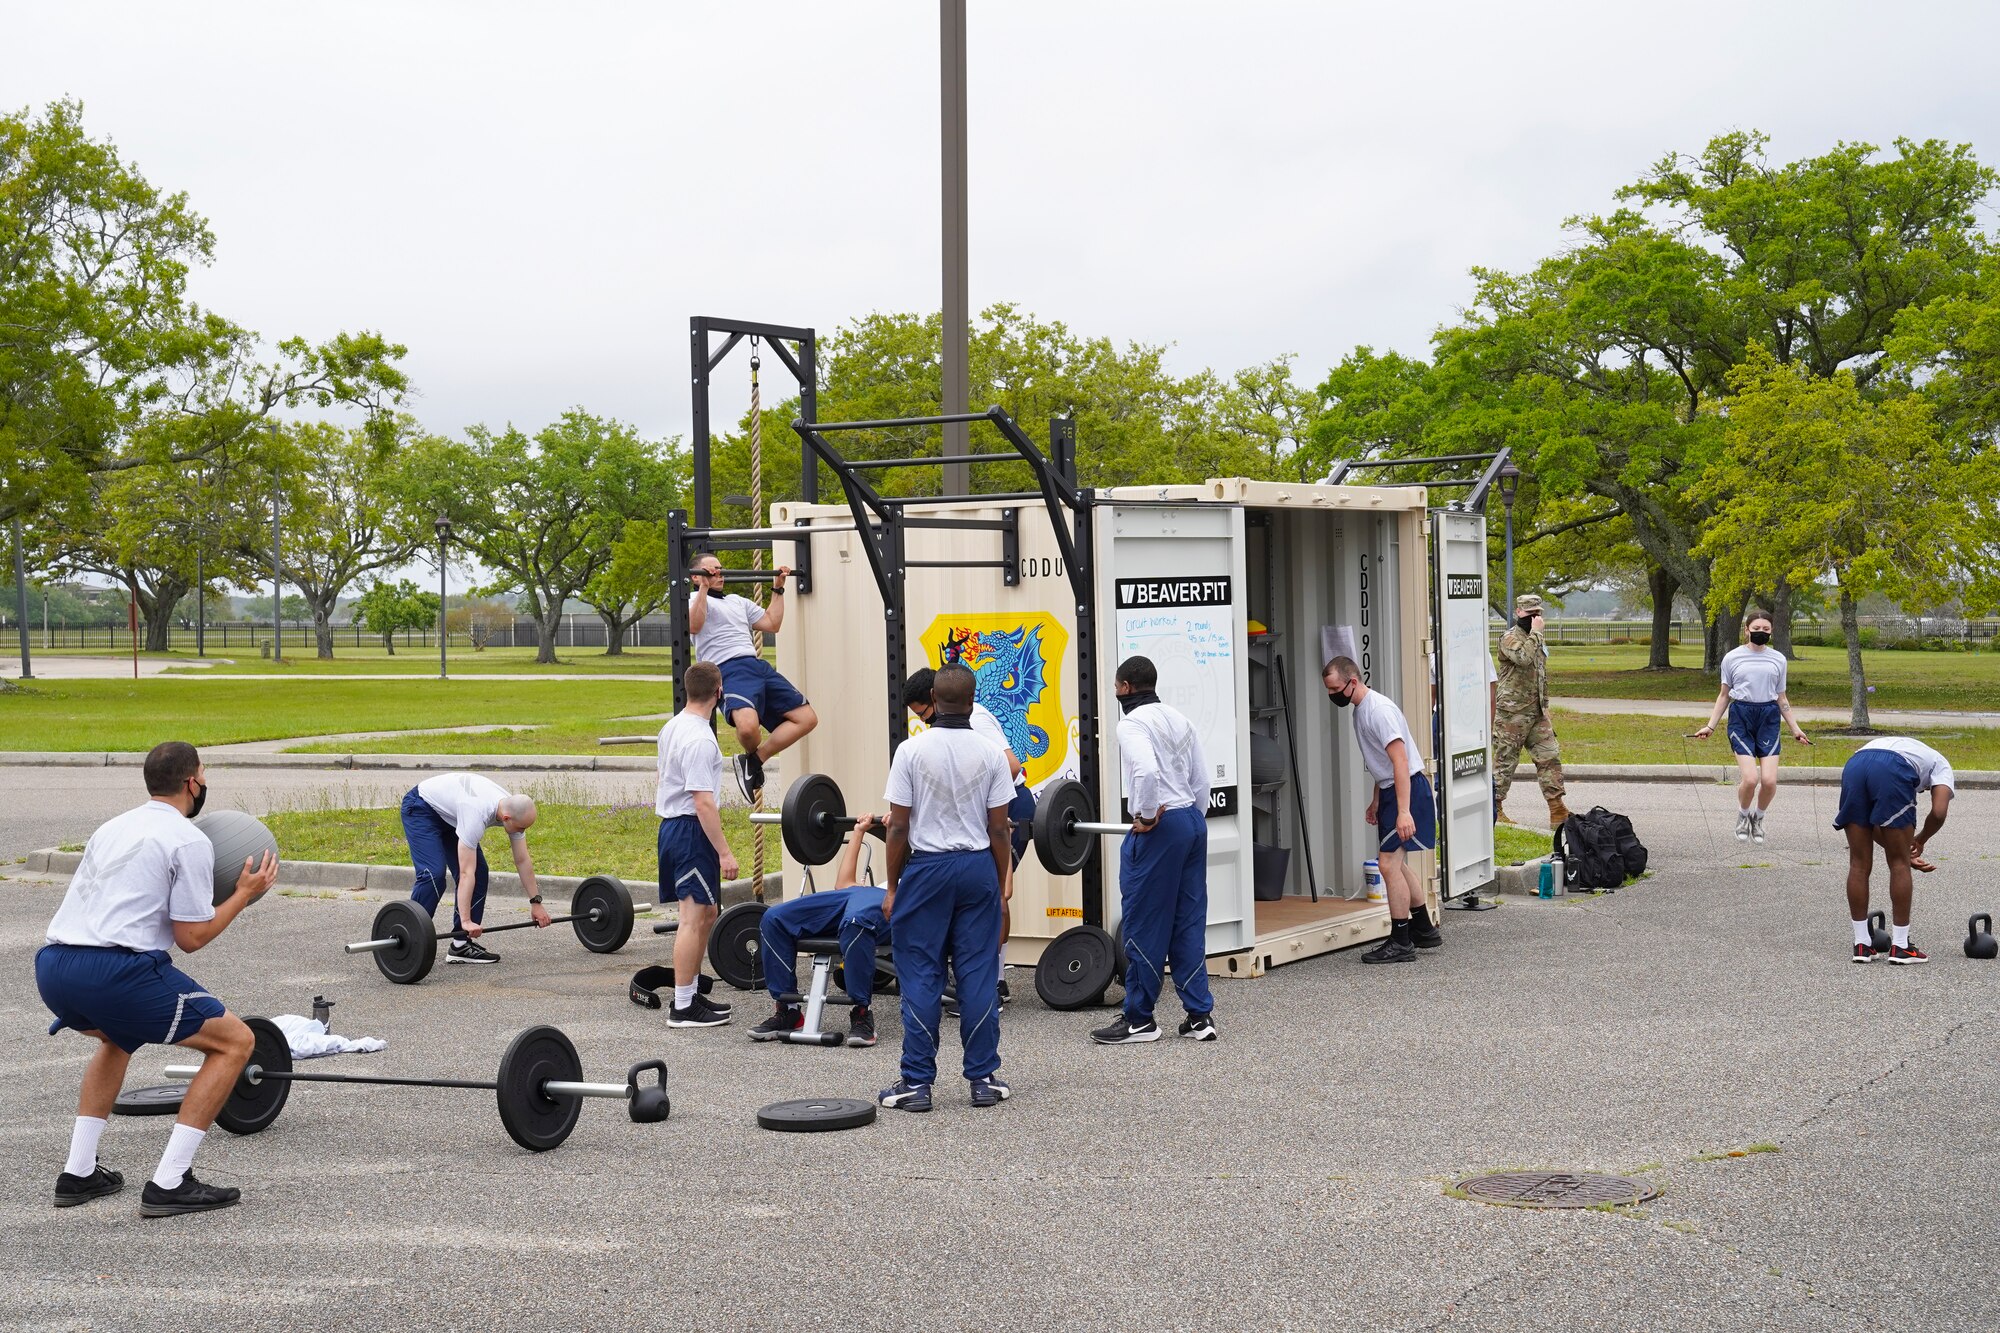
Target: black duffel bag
<point>1599,850</point>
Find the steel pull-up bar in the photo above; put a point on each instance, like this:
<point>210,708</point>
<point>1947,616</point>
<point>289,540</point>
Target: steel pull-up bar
<point>919,462</point>
<point>772,534</point>
<point>899,423</point>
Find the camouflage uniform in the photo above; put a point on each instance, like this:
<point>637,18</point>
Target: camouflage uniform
<point>1521,715</point>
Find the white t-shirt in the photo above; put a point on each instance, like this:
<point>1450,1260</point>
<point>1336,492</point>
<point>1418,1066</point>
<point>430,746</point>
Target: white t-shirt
<point>984,723</point>
<point>689,761</point>
<point>1754,675</point>
<point>1932,768</point>
<point>1377,721</point>
<point>1160,762</point>
<point>141,872</point>
<point>725,632</point>
<point>467,802</point>
<point>949,779</point>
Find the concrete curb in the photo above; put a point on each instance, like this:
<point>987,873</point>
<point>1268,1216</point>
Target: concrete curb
<point>396,881</point>
<point>544,763</point>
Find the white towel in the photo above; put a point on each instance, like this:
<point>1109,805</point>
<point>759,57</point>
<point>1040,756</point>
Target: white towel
<point>309,1038</point>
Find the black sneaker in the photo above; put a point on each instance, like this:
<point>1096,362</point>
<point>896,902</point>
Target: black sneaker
<point>1865,953</point>
<point>990,1091</point>
<point>190,1196</point>
<point>699,1014</point>
<point>1425,937</point>
<point>73,1190</point>
<point>1198,1027</point>
<point>1120,1032</point>
<point>1906,954</point>
<point>749,775</point>
<point>1006,993</point>
<point>470,951</point>
<point>786,1019</point>
<point>1390,951</point>
<point>861,1027</point>
<point>906,1096</point>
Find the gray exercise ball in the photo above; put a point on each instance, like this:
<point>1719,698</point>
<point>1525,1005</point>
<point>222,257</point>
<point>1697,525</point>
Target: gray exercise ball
<point>234,836</point>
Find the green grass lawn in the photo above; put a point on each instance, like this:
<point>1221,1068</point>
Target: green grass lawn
<point>1818,678</point>
<point>1512,845</point>
<point>1619,738</point>
<point>136,715</point>
<point>566,840</point>
<point>418,661</point>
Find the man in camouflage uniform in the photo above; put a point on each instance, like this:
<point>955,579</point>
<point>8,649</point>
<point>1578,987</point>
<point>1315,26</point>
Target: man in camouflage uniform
<point>1522,711</point>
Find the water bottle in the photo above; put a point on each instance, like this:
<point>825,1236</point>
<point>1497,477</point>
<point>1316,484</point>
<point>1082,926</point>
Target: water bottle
<point>1542,882</point>
<point>1371,876</point>
<point>1556,877</point>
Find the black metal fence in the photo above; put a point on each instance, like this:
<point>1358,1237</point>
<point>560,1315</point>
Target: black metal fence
<point>242,636</point>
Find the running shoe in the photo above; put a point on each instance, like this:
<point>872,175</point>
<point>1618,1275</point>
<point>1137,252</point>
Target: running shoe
<point>1907,955</point>
<point>698,1014</point>
<point>73,1190</point>
<point>1198,1027</point>
<point>861,1027</point>
<point>1757,827</point>
<point>749,775</point>
<point>1123,1032</point>
<point>1426,937</point>
<point>990,1091</point>
<point>906,1096</point>
<point>1390,951</point>
<point>190,1196</point>
<point>470,951</point>
<point>1743,822</point>
<point>1865,953</point>
<point>786,1019</point>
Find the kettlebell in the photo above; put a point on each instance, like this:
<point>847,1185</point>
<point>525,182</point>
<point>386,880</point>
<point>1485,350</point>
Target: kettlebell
<point>1981,943</point>
<point>1878,931</point>
<point>647,1103</point>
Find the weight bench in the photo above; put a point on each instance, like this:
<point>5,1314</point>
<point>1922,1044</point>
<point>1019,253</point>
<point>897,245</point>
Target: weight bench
<point>824,950</point>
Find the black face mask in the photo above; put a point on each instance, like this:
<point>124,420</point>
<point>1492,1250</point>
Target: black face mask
<point>199,798</point>
<point>1760,636</point>
<point>1527,623</point>
<point>1339,698</point>
<point>952,721</point>
<point>1138,698</point>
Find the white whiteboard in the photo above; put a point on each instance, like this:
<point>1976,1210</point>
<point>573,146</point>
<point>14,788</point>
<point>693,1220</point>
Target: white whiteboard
<point>1194,648</point>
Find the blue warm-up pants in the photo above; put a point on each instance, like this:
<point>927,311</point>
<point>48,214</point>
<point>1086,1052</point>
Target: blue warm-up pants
<point>1163,892</point>
<point>434,853</point>
<point>948,908</point>
<point>855,914</point>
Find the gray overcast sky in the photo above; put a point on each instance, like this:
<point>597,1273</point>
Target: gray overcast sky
<point>535,198</point>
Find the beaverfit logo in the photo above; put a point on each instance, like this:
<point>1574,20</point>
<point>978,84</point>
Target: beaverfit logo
<point>1465,585</point>
<point>1172,592</point>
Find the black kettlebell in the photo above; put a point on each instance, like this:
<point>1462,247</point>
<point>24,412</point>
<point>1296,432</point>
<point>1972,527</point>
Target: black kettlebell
<point>647,1103</point>
<point>1878,931</point>
<point>1981,943</point>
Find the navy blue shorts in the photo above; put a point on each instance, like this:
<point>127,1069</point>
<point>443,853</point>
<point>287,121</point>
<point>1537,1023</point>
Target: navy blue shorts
<point>1021,811</point>
<point>690,868</point>
<point>1753,728</point>
<point>1878,789</point>
<point>751,682</point>
<point>133,998</point>
<point>1423,809</point>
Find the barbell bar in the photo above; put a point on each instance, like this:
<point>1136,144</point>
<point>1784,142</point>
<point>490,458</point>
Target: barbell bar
<point>405,943</point>
<point>539,1089</point>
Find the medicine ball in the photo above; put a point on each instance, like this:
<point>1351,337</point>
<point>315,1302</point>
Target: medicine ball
<point>1267,760</point>
<point>234,836</point>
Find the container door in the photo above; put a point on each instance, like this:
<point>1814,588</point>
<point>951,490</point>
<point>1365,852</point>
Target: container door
<point>1465,769</point>
<point>1171,588</point>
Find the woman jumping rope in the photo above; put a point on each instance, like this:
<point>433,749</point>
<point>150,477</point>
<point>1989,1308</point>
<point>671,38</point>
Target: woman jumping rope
<point>1753,690</point>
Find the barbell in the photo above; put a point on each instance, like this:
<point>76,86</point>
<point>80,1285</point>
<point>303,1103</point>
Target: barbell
<point>814,821</point>
<point>539,1088</point>
<point>405,944</point>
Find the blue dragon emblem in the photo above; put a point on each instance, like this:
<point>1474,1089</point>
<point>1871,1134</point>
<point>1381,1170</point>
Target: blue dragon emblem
<point>1010,670</point>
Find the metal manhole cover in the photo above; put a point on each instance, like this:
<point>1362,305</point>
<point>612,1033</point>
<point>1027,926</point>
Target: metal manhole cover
<point>1556,1189</point>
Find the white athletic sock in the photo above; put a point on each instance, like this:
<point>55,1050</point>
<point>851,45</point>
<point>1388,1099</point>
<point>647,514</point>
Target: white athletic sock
<point>684,995</point>
<point>1899,936</point>
<point>1862,934</point>
<point>179,1156</point>
<point>83,1145</point>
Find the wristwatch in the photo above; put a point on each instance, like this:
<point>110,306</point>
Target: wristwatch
<point>535,901</point>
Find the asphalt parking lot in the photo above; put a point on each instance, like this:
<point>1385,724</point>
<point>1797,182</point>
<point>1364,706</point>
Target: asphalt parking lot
<point>1292,1175</point>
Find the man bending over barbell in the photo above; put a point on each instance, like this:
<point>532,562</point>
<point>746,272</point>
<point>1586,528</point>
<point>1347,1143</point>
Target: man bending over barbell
<point>145,886</point>
<point>754,695</point>
<point>850,909</point>
<point>444,820</point>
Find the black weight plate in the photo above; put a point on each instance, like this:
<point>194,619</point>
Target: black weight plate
<point>253,1106</point>
<point>1076,968</point>
<point>816,1115</point>
<point>735,947</point>
<point>534,1120</point>
<point>1062,848</point>
<point>810,819</point>
<point>613,926</point>
<point>160,1099</point>
<point>411,960</point>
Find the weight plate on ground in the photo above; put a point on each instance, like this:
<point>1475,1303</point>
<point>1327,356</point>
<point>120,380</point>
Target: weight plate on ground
<point>808,819</point>
<point>735,948</point>
<point>1076,968</point>
<point>412,958</point>
<point>1062,848</point>
<point>815,1115</point>
<point>253,1106</point>
<point>535,1120</point>
<point>613,926</point>
<point>160,1099</point>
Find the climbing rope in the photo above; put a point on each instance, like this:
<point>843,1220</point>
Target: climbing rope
<point>757,590</point>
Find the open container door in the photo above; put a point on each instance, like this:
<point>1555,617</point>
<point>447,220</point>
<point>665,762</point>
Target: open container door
<point>1465,769</point>
<point>1170,578</point>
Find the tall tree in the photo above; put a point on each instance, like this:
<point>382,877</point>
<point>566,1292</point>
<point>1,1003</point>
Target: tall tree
<point>386,608</point>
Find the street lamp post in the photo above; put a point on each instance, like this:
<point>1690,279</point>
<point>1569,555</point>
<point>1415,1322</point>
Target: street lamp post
<point>1510,476</point>
<point>443,526</point>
